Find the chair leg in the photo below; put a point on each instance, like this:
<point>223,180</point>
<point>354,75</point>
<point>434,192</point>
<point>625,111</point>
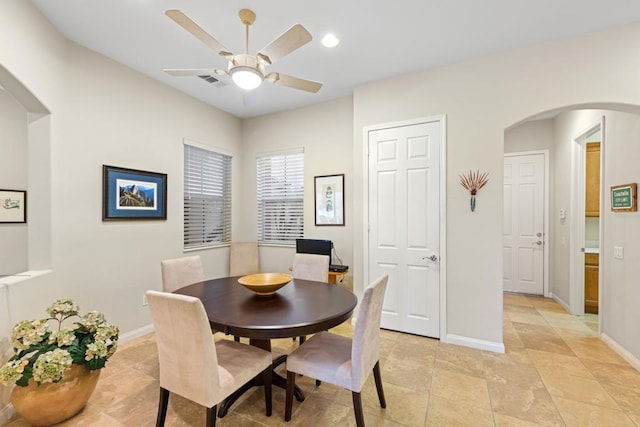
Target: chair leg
<point>162,407</point>
<point>288,405</point>
<point>236,338</point>
<point>211,416</point>
<point>378,379</point>
<point>357,408</point>
<point>267,376</point>
<point>302,339</point>
<point>318,382</point>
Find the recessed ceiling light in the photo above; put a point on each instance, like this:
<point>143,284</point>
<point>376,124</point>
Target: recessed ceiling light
<point>330,40</point>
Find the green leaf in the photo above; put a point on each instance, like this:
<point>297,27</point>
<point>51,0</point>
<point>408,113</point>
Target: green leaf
<point>27,374</point>
<point>77,353</point>
<point>94,364</point>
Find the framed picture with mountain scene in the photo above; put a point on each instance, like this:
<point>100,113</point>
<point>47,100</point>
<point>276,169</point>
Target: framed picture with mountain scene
<point>130,194</point>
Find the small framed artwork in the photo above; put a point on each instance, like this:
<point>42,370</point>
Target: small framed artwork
<point>624,198</point>
<point>329,199</point>
<point>13,206</point>
<point>133,194</point>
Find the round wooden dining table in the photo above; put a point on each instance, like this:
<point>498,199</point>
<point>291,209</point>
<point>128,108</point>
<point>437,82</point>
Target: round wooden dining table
<point>300,308</point>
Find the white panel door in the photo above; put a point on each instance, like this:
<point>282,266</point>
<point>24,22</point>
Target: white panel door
<point>523,227</point>
<point>404,224</point>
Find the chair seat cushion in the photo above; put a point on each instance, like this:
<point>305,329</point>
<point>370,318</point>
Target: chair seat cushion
<point>237,364</point>
<point>325,357</point>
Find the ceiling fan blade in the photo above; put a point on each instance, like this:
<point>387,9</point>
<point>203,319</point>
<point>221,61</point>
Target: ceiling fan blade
<point>188,24</point>
<point>295,82</point>
<point>295,37</point>
<point>195,72</point>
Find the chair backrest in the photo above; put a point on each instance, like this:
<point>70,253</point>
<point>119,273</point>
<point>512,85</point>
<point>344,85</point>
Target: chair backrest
<point>243,258</point>
<point>186,349</point>
<point>365,348</point>
<point>179,272</point>
<point>311,267</point>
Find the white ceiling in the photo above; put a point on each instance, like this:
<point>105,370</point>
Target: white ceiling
<point>379,38</point>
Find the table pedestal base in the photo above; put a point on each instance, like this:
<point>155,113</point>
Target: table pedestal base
<point>277,380</point>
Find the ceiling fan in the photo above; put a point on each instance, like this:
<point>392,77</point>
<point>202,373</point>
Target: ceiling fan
<point>246,70</point>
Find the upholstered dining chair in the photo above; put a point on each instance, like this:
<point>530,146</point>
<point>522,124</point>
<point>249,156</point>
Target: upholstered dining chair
<point>179,272</point>
<point>243,258</point>
<point>343,361</point>
<point>310,267</point>
<point>192,364</point>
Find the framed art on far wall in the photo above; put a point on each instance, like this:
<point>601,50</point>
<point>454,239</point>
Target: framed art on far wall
<point>13,206</point>
<point>133,194</point>
<point>329,199</point>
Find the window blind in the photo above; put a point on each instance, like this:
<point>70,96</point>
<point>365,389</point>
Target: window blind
<point>207,197</point>
<point>280,198</point>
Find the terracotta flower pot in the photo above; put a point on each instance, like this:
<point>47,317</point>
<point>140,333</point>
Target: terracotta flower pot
<point>51,403</point>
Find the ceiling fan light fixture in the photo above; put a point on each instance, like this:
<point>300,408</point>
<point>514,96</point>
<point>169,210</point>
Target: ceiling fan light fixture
<point>246,78</point>
<point>246,72</point>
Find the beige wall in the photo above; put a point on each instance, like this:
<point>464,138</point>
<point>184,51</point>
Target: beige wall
<point>324,132</point>
<point>101,113</point>
<point>104,113</point>
<point>13,176</point>
<point>481,99</point>
<point>529,136</point>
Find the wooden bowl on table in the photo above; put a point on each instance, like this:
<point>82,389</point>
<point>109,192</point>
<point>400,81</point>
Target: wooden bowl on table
<point>265,284</point>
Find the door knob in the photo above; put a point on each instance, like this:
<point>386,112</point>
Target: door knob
<point>432,258</point>
<point>539,243</point>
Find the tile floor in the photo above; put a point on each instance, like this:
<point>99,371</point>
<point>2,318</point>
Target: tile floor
<point>555,372</point>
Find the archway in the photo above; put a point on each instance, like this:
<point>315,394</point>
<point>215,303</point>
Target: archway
<point>620,130</point>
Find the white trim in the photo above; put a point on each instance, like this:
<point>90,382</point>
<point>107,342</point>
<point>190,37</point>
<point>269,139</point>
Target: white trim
<point>442,119</point>
<point>187,141</point>
<point>443,227</point>
<point>297,150</point>
<point>577,221</point>
<point>601,224</point>
<point>496,347</point>
<point>626,355</point>
<point>547,237</point>
<point>136,333</point>
<point>560,301</point>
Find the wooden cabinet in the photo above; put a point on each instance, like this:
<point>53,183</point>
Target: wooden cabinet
<point>591,283</point>
<point>592,182</point>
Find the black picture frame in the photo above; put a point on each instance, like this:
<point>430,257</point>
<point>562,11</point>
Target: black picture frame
<point>131,194</point>
<point>329,200</point>
<point>13,207</point>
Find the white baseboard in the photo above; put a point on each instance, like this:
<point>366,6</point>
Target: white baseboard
<point>561,302</point>
<point>496,347</point>
<point>131,335</point>
<point>633,361</point>
<point>6,414</point>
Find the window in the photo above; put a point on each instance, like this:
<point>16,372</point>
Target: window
<point>207,198</point>
<point>280,197</point>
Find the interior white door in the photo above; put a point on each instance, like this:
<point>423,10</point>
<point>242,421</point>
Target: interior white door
<point>404,224</point>
<point>523,231</point>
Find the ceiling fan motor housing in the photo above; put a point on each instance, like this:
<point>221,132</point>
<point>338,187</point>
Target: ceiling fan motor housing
<point>245,61</point>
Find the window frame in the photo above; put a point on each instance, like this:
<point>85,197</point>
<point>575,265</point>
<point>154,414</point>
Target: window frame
<point>287,165</point>
<point>209,164</point>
